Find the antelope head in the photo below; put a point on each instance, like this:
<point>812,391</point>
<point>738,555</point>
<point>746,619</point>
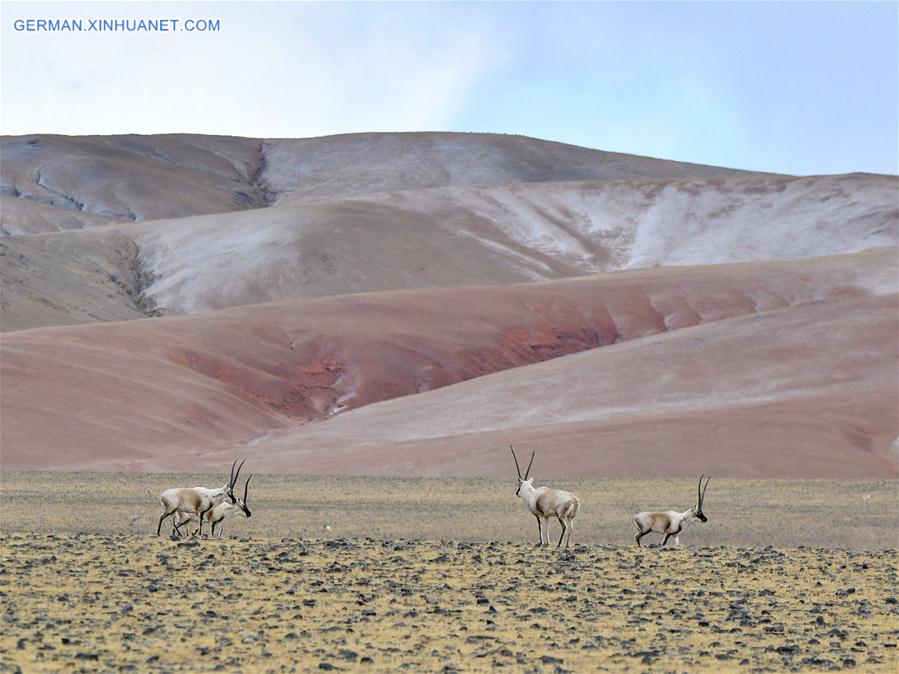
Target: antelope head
<point>229,489</point>
<point>700,497</point>
<point>522,480</point>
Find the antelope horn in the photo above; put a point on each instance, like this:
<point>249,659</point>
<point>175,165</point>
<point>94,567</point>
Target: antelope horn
<point>528,471</point>
<point>517,468</point>
<point>231,478</point>
<point>702,497</point>
<point>245,487</point>
<point>234,479</point>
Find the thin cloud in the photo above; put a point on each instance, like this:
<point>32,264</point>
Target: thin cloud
<point>273,70</point>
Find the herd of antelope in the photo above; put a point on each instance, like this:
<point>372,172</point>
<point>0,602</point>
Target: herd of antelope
<point>213,506</point>
<point>199,504</point>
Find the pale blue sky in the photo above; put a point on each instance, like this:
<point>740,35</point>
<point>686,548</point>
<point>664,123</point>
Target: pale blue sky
<point>790,87</point>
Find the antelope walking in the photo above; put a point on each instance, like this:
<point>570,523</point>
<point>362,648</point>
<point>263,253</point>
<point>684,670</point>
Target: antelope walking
<point>197,500</point>
<point>218,514</point>
<point>671,522</point>
<point>544,503</point>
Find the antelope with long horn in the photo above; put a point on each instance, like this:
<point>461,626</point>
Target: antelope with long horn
<point>671,522</point>
<point>198,500</point>
<point>219,513</point>
<point>544,503</point>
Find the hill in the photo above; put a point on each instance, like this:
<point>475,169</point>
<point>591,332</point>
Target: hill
<point>405,303</point>
<point>165,386</point>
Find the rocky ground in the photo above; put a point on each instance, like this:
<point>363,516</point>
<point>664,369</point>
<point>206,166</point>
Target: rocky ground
<point>350,573</point>
<point>89,602</point>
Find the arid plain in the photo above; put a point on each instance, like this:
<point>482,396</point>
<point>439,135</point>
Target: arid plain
<point>443,575</point>
<point>370,321</point>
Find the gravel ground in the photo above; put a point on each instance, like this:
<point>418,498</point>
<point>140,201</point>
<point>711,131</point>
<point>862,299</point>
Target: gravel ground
<point>91,602</point>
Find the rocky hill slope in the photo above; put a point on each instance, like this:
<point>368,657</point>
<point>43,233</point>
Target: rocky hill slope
<point>298,287</point>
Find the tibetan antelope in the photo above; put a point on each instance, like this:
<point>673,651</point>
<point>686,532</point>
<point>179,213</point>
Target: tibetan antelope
<point>197,500</point>
<point>218,514</point>
<point>544,503</point>
<point>671,522</point>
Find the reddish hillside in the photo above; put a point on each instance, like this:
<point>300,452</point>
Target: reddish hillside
<point>148,389</point>
<point>800,392</point>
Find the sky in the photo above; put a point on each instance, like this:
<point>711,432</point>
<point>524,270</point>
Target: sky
<point>795,87</point>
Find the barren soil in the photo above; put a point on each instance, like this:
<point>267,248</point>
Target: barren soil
<point>858,514</point>
<point>441,237</point>
<point>815,332</point>
<point>441,575</point>
<point>804,392</point>
<point>383,303</point>
<point>122,176</point>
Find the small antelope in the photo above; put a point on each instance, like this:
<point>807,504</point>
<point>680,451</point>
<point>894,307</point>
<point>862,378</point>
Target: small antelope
<point>218,514</point>
<point>544,503</point>
<point>197,500</point>
<point>671,523</point>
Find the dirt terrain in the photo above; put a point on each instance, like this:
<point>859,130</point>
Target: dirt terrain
<point>247,379</point>
<point>404,304</point>
<point>437,238</point>
<point>713,398</point>
<point>859,514</point>
<point>370,321</point>
<point>442,575</point>
<point>121,176</point>
<point>598,412</point>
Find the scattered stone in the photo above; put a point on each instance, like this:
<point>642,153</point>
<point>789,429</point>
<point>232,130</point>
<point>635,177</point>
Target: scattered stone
<point>693,615</point>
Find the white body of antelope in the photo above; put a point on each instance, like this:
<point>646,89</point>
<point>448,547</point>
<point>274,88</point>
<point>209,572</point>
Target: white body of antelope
<point>670,522</point>
<point>198,500</point>
<point>545,503</point>
<point>218,514</point>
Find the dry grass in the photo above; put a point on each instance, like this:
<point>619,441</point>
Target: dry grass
<point>813,513</point>
<point>386,594</point>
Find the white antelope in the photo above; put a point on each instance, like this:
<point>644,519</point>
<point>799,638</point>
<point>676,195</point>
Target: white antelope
<point>218,514</point>
<point>197,500</point>
<point>544,503</point>
<point>671,522</point>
